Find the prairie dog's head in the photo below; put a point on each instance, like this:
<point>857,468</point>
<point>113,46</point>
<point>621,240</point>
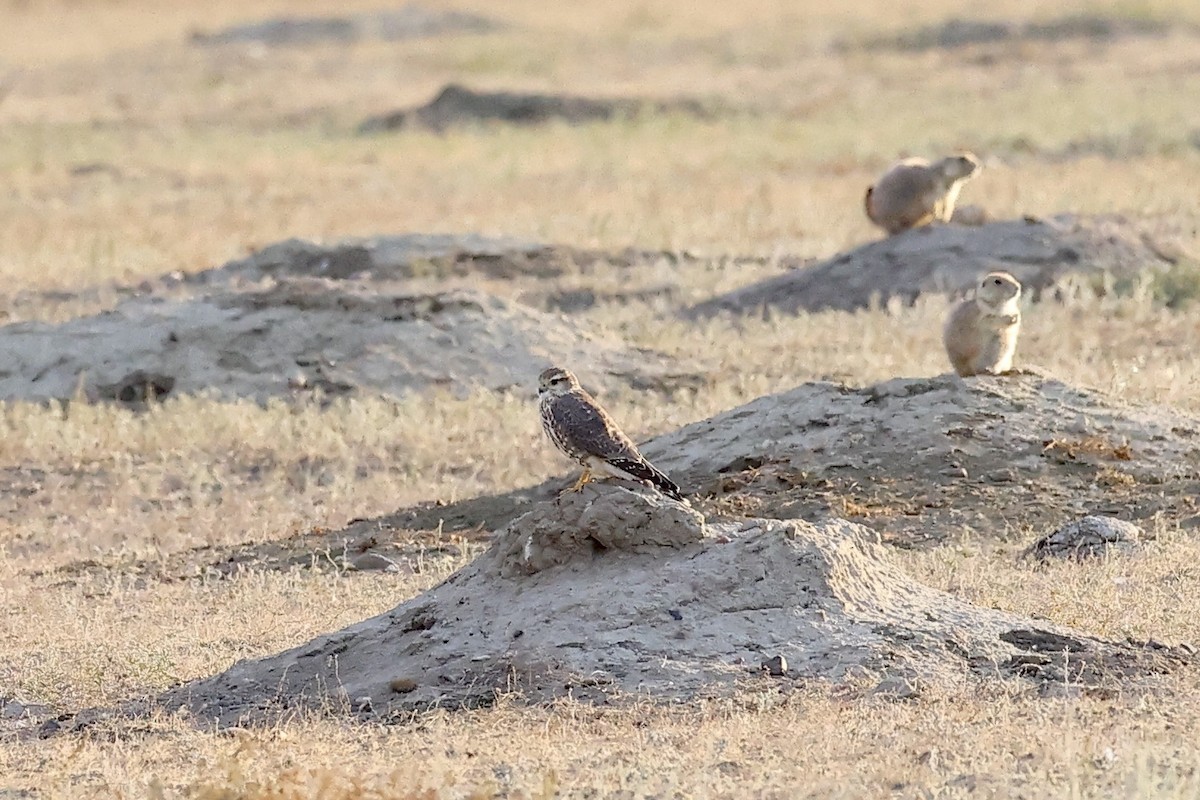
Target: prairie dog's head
<point>998,293</point>
<point>555,381</point>
<point>959,167</point>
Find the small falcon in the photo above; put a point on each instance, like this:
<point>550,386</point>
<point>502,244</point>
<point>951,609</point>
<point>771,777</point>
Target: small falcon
<point>585,432</point>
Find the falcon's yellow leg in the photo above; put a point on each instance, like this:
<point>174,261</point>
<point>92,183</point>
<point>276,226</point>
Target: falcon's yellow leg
<point>583,479</point>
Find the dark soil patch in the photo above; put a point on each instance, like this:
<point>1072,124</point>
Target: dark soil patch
<point>457,106</point>
<point>957,32</point>
<point>408,22</point>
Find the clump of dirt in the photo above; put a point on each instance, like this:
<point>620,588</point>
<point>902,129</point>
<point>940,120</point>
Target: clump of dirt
<point>919,460</point>
<point>300,337</point>
<point>615,593</point>
<point>956,32</point>
<point>456,106</point>
<point>1044,254</point>
<point>408,22</point>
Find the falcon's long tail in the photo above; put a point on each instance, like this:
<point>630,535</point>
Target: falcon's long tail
<point>645,471</point>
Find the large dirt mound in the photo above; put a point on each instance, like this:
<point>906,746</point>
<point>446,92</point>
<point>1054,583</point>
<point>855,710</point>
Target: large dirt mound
<point>457,105</point>
<point>546,274</point>
<point>949,259</point>
<point>613,593</point>
<point>408,22</point>
<point>300,336</point>
<point>418,255</point>
<point>918,459</point>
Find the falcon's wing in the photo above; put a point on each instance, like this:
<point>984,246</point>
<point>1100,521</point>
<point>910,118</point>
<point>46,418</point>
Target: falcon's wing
<point>591,429</point>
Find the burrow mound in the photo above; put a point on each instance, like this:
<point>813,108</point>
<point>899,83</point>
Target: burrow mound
<point>1047,255</point>
<point>299,337</point>
<point>457,106</point>
<point>545,276</point>
<point>408,22</point>
<point>918,459</point>
<point>614,593</point>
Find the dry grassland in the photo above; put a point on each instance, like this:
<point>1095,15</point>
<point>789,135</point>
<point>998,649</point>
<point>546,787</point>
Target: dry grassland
<point>126,153</point>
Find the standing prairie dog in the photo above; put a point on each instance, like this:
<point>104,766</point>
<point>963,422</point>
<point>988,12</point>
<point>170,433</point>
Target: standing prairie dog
<point>915,192</point>
<point>981,333</point>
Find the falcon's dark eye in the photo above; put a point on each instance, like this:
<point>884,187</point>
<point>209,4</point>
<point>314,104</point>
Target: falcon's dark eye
<point>997,281</point>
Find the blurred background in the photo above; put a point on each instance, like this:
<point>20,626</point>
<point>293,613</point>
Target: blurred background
<point>138,138</point>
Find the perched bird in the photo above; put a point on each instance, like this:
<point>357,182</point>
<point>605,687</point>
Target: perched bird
<point>915,192</point>
<point>981,333</point>
<point>584,431</point>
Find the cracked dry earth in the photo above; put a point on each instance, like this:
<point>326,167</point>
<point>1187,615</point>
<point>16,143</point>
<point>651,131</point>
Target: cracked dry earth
<point>612,593</point>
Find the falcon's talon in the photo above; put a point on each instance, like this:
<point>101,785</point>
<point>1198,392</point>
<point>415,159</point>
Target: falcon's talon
<point>584,479</point>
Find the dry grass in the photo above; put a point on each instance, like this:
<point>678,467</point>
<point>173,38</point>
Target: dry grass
<point>190,157</point>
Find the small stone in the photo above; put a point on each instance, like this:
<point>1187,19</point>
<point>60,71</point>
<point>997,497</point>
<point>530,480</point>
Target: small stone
<point>896,688</point>
<point>369,561</point>
<point>1088,537</point>
<point>775,666</point>
<point>675,614</point>
<point>402,685</point>
<point>12,710</point>
<point>16,709</point>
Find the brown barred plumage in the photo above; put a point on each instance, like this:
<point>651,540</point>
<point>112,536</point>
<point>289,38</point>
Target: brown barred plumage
<point>584,432</point>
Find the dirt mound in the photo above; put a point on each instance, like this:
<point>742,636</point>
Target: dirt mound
<point>948,259</point>
<point>546,273</point>
<point>409,22</point>
<point>918,459</point>
<point>956,32</point>
<point>613,593</point>
<point>437,256</point>
<point>301,336</point>
<point>457,105</point>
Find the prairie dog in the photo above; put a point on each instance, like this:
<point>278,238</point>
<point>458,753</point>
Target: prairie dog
<point>915,192</point>
<point>981,333</point>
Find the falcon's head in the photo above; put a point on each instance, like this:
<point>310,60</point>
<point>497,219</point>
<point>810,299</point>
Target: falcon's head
<point>555,381</point>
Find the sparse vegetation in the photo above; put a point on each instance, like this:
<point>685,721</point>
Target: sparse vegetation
<point>126,153</point>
